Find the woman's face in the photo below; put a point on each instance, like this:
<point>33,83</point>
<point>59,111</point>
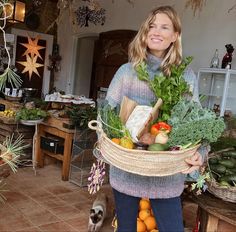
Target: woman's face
<point>161,34</point>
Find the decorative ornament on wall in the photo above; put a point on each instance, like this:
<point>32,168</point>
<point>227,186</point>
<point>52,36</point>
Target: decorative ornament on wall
<point>30,65</point>
<point>8,74</point>
<point>91,12</point>
<point>195,5</point>
<point>33,47</point>
<point>30,59</point>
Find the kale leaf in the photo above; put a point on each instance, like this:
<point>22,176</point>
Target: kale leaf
<point>191,123</point>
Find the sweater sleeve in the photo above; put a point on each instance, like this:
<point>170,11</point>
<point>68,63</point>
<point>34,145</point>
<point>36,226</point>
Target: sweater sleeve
<point>116,89</point>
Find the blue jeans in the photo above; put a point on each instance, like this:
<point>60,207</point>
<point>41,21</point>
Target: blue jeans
<point>168,213</point>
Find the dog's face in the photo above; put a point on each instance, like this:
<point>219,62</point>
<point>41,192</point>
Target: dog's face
<point>96,215</point>
<point>229,48</point>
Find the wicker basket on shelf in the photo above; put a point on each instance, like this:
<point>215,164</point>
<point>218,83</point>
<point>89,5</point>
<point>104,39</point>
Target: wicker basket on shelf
<point>226,193</point>
<point>142,162</point>
<point>223,192</point>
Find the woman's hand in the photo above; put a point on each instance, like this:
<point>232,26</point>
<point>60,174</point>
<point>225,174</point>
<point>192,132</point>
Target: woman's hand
<point>194,162</point>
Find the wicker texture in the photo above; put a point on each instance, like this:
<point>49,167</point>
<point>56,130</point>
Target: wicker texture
<point>225,193</point>
<point>143,162</point>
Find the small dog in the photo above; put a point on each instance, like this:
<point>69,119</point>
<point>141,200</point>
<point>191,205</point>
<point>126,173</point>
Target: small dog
<point>98,213</point>
<point>227,59</point>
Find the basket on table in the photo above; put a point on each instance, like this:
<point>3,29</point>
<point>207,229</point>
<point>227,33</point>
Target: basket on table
<point>226,193</point>
<point>142,162</point>
<point>12,98</point>
<point>223,192</point>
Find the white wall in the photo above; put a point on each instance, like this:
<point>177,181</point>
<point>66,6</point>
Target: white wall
<point>212,28</point>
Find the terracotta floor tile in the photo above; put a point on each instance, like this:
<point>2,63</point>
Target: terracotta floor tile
<point>15,196</point>
<point>31,229</point>
<point>46,203</point>
<point>15,223</point>
<point>50,203</point>
<point>27,207</point>
<point>57,227</point>
<point>39,193</point>
<point>42,217</point>
<point>72,198</point>
<point>58,189</point>
<point>7,211</point>
<point>66,212</point>
<point>79,223</point>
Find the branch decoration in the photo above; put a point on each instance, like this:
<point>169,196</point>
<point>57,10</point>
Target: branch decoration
<point>8,75</point>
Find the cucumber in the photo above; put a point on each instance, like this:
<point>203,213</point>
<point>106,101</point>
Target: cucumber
<point>228,178</point>
<point>229,154</point>
<point>224,183</point>
<point>218,168</point>
<point>213,161</point>
<point>229,172</point>
<point>227,163</point>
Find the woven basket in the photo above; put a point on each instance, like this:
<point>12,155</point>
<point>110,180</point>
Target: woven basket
<point>142,162</point>
<point>223,192</point>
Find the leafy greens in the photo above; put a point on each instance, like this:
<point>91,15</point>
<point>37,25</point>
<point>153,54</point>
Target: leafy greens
<point>170,89</point>
<point>191,123</point>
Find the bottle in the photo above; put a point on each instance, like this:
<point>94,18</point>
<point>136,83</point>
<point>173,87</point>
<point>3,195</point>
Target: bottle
<point>215,60</point>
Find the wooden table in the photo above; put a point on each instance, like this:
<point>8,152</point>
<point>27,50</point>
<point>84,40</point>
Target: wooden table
<point>55,127</point>
<point>215,215</point>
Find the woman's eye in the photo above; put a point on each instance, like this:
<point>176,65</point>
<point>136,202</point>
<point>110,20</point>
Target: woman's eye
<point>166,28</point>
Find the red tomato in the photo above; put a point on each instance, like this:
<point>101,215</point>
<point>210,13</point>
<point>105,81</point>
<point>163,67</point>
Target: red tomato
<point>154,129</point>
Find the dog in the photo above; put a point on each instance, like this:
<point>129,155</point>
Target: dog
<point>227,59</point>
<point>98,213</point>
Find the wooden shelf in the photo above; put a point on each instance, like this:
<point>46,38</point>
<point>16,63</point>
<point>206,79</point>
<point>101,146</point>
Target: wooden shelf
<point>55,129</point>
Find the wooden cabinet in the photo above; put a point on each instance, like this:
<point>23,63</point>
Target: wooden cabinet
<point>111,51</point>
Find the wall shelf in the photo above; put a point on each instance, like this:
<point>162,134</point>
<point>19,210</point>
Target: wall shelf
<point>218,86</point>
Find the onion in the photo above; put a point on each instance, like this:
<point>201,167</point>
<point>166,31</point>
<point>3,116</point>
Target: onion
<point>161,137</point>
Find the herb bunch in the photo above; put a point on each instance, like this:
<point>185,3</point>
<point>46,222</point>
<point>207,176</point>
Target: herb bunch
<point>111,122</point>
<point>80,116</point>
<point>170,89</point>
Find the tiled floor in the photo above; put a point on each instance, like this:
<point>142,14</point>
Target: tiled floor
<point>43,202</point>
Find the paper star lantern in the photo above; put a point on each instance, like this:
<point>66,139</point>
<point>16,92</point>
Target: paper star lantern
<point>31,65</point>
<point>32,47</point>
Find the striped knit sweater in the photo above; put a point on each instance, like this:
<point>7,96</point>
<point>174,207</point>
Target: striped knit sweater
<point>126,83</point>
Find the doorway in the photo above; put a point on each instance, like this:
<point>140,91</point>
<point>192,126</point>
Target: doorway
<point>83,65</point>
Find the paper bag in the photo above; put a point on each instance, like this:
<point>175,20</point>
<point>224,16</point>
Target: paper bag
<point>126,108</point>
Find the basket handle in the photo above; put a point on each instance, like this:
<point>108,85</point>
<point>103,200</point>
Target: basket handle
<point>97,126</point>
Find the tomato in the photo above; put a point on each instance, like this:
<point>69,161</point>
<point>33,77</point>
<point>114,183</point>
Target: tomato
<point>154,130</point>
<point>160,126</point>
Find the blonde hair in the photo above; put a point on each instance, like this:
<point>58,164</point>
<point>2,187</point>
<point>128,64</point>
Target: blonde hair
<point>138,47</point>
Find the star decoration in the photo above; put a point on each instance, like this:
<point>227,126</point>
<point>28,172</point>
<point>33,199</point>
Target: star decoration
<point>31,65</point>
<point>32,47</point>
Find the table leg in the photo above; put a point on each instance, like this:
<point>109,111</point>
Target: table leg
<point>212,223</point>
<point>39,156</point>
<point>67,157</point>
<point>208,222</point>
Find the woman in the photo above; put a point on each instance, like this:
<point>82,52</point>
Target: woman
<point>158,43</point>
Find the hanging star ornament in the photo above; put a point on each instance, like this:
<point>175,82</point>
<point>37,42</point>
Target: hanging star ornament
<point>31,65</point>
<point>32,47</point>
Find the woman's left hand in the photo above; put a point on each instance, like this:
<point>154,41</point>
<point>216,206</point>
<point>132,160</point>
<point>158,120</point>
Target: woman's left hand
<point>194,162</point>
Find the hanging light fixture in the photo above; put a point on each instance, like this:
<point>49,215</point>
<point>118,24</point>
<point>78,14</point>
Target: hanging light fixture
<point>17,11</point>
